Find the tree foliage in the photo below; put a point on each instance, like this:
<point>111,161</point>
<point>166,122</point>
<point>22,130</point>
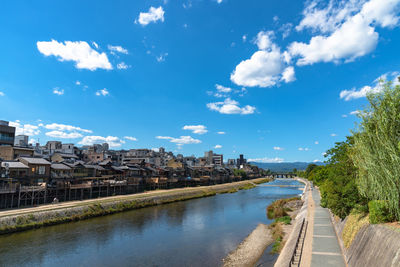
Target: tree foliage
<point>376,151</point>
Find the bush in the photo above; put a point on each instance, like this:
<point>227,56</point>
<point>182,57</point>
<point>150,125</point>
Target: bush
<point>379,212</point>
<point>285,219</point>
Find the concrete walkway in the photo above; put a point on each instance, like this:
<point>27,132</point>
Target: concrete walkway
<point>325,246</point>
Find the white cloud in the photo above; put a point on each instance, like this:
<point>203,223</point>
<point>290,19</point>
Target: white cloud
<point>217,146</point>
<point>197,129</point>
<point>355,112</point>
<point>64,135</point>
<point>265,67</point>
<point>117,48</point>
<point>162,57</point>
<point>58,91</point>
<point>2,94</point>
<point>80,52</point>
<point>223,89</point>
<point>316,142</point>
<point>220,132</point>
<point>267,160</point>
<point>78,83</point>
<point>113,141</point>
<point>102,92</point>
<point>131,138</point>
<point>25,129</point>
<point>304,149</point>
<point>375,87</point>
<point>347,27</point>
<point>64,127</point>
<point>244,38</point>
<point>122,66</point>
<point>219,1</point>
<point>230,106</point>
<point>153,15</point>
<point>333,134</point>
<point>95,45</point>
<point>183,140</point>
<point>344,116</point>
<point>288,75</point>
<point>316,160</point>
<point>278,148</point>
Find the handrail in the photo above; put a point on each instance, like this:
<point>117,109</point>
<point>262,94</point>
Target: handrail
<point>297,243</point>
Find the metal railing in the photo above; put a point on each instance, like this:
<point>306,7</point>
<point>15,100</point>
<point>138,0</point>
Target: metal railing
<point>304,224</point>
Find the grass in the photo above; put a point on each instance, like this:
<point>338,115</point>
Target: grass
<point>276,210</point>
<point>354,223</point>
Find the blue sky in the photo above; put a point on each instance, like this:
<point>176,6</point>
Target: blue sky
<point>274,80</point>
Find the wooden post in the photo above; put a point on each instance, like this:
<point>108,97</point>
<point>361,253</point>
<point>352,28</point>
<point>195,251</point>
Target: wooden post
<point>33,195</point>
<point>19,195</point>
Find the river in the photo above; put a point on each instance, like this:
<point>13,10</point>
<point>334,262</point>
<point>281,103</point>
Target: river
<point>199,232</point>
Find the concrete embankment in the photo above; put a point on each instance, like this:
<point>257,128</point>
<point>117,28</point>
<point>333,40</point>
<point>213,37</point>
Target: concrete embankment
<point>251,249</point>
<point>45,215</point>
<point>287,252</point>
<point>371,245</point>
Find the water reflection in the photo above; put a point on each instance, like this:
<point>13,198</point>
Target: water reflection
<point>197,232</point>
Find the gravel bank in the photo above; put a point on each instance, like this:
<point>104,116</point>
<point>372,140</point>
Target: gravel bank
<point>251,249</point>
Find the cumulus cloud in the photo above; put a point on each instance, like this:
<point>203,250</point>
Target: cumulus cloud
<point>102,92</point>
<point>2,94</point>
<point>112,141</point>
<point>355,112</point>
<point>230,106</point>
<point>316,142</point>
<point>278,148</point>
<point>80,52</point>
<point>217,146</point>
<point>267,160</point>
<point>288,75</point>
<point>347,30</point>
<point>25,129</point>
<point>304,149</point>
<point>162,57</point>
<point>117,49</point>
<point>333,134</point>
<point>265,67</point>
<point>130,138</point>
<point>58,91</point>
<point>182,140</point>
<point>153,15</point>
<point>63,135</point>
<point>197,129</point>
<point>221,132</point>
<point>64,127</point>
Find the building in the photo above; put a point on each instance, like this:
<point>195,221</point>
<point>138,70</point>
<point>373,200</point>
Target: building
<point>21,140</point>
<point>11,153</point>
<point>218,159</point>
<point>208,155</point>
<point>7,134</point>
<point>241,161</point>
<point>67,148</point>
<point>39,169</point>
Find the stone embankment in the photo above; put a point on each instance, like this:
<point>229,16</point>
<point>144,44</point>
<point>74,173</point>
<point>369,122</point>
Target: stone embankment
<point>370,245</point>
<point>46,215</point>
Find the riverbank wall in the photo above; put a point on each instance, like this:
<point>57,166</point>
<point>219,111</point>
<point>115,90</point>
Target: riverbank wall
<point>289,248</point>
<point>46,215</point>
<point>368,244</point>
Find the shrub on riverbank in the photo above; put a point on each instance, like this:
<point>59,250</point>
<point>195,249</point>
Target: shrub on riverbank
<point>277,208</point>
<point>379,212</point>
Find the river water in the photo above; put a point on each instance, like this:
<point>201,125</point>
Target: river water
<point>199,232</point>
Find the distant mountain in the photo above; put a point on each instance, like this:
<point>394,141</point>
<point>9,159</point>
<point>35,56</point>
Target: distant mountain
<point>284,166</point>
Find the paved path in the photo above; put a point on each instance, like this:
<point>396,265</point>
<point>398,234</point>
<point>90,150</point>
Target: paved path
<point>325,246</point>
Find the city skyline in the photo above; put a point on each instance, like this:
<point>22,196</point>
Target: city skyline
<point>247,77</point>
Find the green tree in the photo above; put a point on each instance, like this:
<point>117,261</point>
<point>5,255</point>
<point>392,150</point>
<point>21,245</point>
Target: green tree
<point>376,151</point>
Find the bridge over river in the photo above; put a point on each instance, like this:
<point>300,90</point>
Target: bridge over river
<point>283,182</point>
